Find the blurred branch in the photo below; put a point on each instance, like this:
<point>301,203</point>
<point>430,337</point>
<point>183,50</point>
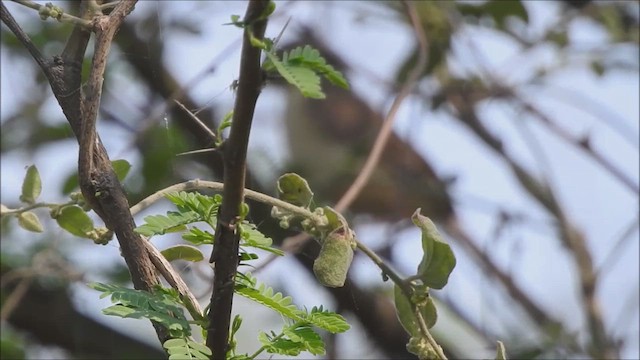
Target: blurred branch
<point>617,247</point>
<point>44,11</point>
<point>387,126</point>
<point>602,347</point>
<point>582,144</point>
<point>599,111</point>
<point>49,315</point>
<point>234,152</point>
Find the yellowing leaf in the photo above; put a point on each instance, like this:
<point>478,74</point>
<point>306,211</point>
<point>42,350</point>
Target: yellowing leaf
<point>29,221</point>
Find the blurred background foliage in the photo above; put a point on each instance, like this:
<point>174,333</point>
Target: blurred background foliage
<point>525,49</point>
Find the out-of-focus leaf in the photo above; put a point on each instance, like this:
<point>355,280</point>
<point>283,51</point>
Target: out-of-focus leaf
<point>183,252</point>
<point>73,219</point>
<point>31,186</point>
<point>121,168</point>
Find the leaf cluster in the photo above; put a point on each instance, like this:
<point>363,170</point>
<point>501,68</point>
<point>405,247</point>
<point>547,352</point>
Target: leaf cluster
<point>303,68</point>
<point>297,334</point>
<point>71,216</point>
<point>163,306</point>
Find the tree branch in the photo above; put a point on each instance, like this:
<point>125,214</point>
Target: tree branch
<point>602,346</point>
<point>98,181</point>
<point>225,251</point>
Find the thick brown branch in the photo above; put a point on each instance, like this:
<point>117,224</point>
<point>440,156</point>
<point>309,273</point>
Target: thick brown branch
<point>95,172</point>
<point>225,252</point>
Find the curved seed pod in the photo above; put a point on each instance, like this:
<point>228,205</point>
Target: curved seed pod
<point>335,258</point>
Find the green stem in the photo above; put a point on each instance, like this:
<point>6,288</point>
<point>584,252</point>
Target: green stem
<point>217,186</point>
<point>35,206</point>
<point>65,18</point>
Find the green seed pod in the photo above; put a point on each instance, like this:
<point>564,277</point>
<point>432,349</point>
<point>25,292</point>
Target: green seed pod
<point>335,258</point>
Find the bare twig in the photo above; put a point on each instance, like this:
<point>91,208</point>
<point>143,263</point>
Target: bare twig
<point>570,236</point>
<point>387,127</point>
<point>218,186</point>
<point>582,144</point>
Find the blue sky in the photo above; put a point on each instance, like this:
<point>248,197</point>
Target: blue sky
<point>596,202</point>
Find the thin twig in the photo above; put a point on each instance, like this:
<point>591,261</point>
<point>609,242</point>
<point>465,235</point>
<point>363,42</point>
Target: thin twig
<point>11,23</point>
<point>64,17</point>
<point>198,184</point>
<point>387,126</point>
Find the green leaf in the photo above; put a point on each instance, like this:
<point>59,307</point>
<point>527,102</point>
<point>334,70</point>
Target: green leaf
<point>75,220</point>
<point>138,304</point>
<point>327,320</point>
<point>182,252</point>
<point>121,167</point>
<point>248,287</point>
<point>294,189</point>
<point>280,345</point>
<point>501,10</point>
<point>252,237</point>
<point>180,349</point>
<point>309,57</point>
<point>438,259</point>
<point>309,339</point>
<point>30,222</point>
<point>197,236</point>
<point>407,317</point>
<point>173,222</point>
<point>31,186</point>
<point>205,206</point>
<point>302,77</point>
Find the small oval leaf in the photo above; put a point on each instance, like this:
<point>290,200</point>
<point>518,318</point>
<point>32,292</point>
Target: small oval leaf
<point>183,252</point>
<point>73,219</point>
<point>438,259</point>
<point>29,221</point>
<point>121,167</point>
<point>31,186</point>
<point>294,189</point>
